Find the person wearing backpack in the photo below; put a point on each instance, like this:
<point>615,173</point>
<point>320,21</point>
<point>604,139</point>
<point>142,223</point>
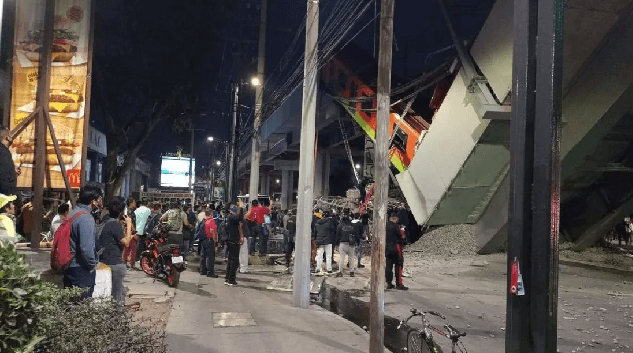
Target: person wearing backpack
<point>347,238</point>
<point>291,234</point>
<point>113,237</point>
<point>207,255</point>
<point>80,232</point>
<point>177,219</point>
<point>188,232</point>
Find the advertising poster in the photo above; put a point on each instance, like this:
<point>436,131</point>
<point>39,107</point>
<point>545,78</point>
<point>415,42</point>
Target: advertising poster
<point>67,91</point>
<point>218,192</point>
<point>174,172</point>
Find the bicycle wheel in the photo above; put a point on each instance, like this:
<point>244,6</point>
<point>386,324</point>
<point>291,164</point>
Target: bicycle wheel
<point>416,344</point>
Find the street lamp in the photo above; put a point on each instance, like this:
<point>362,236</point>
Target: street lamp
<point>277,181</point>
<point>210,138</point>
<point>218,163</point>
<point>357,166</point>
<point>255,81</point>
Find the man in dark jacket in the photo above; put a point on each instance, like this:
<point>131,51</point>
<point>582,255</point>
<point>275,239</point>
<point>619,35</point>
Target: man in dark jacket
<point>235,230</point>
<point>395,260</point>
<point>8,172</point>
<point>324,241</point>
<point>347,244</point>
<point>290,233</point>
<point>313,246</point>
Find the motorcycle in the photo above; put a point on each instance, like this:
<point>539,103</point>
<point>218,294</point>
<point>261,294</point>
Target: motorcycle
<point>162,259</point>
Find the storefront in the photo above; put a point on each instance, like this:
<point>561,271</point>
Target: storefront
<point>136,180</point>
<point>96,158</point>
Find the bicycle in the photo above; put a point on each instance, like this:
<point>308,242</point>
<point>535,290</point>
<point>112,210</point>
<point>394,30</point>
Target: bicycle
<point>421,340</point>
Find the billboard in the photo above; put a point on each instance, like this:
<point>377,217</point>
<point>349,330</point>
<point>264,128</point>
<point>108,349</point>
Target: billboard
<point>174,172</point>
<point>69,71</point>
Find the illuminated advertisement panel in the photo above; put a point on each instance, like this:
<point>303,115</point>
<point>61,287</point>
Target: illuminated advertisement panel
<point>67,104</point>
<point>174,172</point>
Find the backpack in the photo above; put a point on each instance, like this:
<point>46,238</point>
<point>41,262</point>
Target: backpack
<point>214,227</point>
<point>347,232</point>
<point>152,220</point>
<point>291,225</point>
<point>199,234</point>
<point>61,255</point>
<point>223,234</point>
<point>175,220</point>
<point>98,231</point>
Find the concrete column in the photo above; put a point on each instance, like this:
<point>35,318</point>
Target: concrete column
<point>286,189</point>
<point>326,175</point>
<point>318,175</point>
<point>263,184</point>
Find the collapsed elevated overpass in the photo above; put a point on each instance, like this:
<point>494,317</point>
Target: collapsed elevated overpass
<point>452,167</point>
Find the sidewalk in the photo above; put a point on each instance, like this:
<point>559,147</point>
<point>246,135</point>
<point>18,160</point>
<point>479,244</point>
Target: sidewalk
<point>209,316</point>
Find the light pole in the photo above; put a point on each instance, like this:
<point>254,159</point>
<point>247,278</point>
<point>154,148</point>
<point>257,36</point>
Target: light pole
<point>233,153</point>
<point>210,140</point>
<point>218,164</point>
<point>258,82</point>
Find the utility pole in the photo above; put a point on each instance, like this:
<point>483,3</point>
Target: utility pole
<point>191,159</point>
<point>43,93</point>
<point>301,276</point>
<point>532,297</point>
<point>227,149</point>
<point>231,192</point>
<point>212,182</point>
<point>381,176</point>
<point>259,96</point>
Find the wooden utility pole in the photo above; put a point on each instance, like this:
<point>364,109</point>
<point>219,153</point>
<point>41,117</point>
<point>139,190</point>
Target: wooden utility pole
<point>42,98</point>
<point>191,181</point>
<point>259,96</point>
<point>381,176</point>
<point>535,172</point>
<point>231,178</point>
<point>301,276</point>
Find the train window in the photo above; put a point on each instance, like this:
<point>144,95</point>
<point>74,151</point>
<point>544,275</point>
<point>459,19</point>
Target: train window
<point>367,104</point>
<point>400,140</point>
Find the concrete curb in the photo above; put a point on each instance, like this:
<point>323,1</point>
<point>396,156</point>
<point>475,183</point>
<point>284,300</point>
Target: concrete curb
<point>597,267</point>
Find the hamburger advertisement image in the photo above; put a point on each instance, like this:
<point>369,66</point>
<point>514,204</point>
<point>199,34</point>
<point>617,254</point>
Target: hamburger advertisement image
<point>68,80</point>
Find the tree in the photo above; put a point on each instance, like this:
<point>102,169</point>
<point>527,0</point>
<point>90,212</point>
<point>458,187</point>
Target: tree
<point>150,59</point>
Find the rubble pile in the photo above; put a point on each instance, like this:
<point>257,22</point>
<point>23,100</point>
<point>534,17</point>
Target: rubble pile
<point>451,240</point>
<point>613,255</point>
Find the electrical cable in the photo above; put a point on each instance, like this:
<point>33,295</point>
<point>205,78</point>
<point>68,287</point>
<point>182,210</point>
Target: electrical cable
<point>337,27</point>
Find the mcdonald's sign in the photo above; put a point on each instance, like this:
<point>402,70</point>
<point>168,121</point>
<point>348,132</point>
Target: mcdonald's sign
<point>74,176</point>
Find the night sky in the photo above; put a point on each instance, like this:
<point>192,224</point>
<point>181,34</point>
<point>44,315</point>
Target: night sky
<point>144,49</point>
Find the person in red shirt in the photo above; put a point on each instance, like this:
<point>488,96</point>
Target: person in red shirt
<point>207,255</point>
<point>256,215</point>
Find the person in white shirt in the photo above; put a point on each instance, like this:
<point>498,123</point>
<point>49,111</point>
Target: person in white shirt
<point>62,213</point>
<point>141,213</point>
<point>201,213</point>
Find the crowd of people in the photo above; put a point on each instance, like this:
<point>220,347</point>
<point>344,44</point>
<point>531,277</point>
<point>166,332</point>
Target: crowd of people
<point>115,234</point>
<point>348,233</point>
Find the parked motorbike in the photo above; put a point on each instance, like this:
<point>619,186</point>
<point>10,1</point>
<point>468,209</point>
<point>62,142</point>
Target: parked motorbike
<point>161,259</point>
